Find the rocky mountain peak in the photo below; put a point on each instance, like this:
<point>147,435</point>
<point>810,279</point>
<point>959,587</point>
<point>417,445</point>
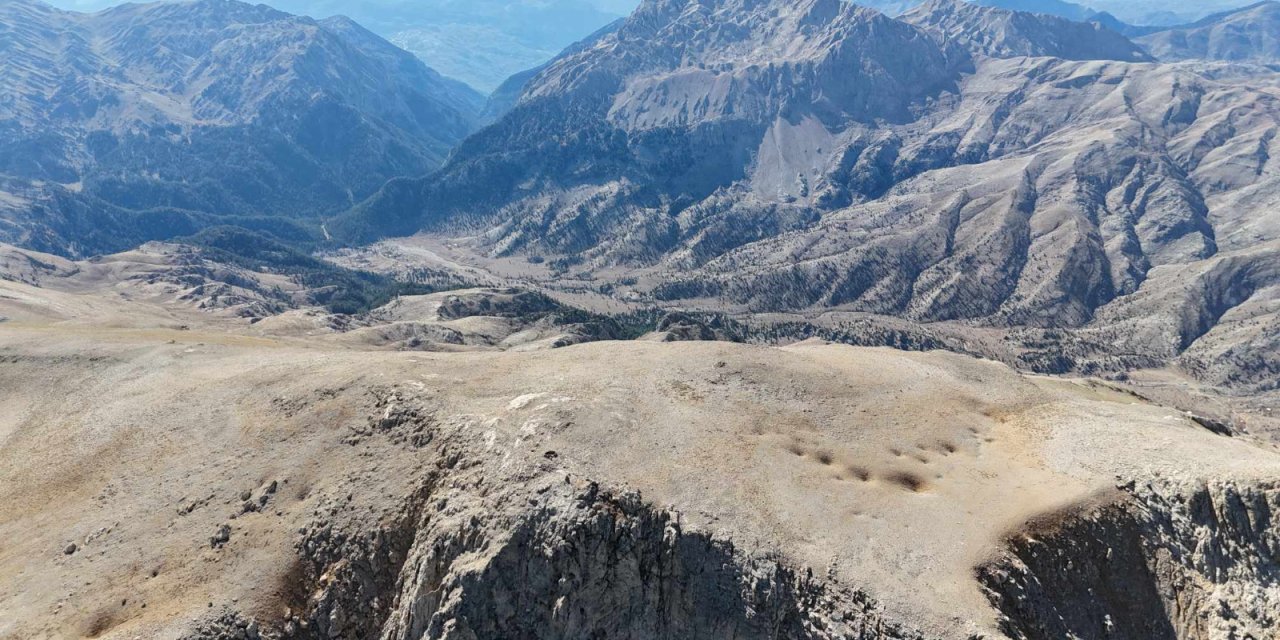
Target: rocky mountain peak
<point>689,61</point>
<point>1003,33</point>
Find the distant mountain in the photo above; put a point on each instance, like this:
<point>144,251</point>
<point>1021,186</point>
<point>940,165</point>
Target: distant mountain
<point>1251,34</point>
<point>481,42</point>
<point>814,156</point>
<point>676,103</point>
<point>198,110</point>
<point>505,97</point>
<point>1163,13</point>
<point>1001,33</point>
<point>1060,8</point>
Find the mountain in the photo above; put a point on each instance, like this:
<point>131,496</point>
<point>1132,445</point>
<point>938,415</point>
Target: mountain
<point>1001,33</point>
<point>480,42</point>
<point>819,157</point>
<point>672,101</point>
<point>1251,34</point>
<point>146,119</point>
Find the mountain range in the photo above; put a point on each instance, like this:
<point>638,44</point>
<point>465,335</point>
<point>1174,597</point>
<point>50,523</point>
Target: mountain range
<point>143,120</point>
<point>483,42</point>
<point>959,164</point>
<point>480,42</point>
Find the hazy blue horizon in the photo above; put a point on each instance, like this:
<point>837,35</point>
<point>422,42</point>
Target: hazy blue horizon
<point>480,42</point>
<point>617,8</point>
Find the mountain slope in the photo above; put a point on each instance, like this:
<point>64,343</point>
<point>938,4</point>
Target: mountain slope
<point>724,152</point>
<point>505,97</point>
<point>211,107</point>
<point>1251,34</point>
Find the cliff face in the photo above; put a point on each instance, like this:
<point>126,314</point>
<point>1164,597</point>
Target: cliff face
<point>1158,562</point>
<point>583,564</point>
<point>1165,562</point>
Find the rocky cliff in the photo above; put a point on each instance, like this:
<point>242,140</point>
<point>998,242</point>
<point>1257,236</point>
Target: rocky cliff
<point>1189,562</point>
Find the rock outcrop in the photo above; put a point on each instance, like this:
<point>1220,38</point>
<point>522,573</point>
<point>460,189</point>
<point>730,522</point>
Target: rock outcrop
<point>568,561</point>
<point>1163,562</point>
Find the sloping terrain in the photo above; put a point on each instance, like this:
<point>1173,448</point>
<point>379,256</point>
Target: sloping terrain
<point>144,121</point>
<point>210,483</point>
<point>175,287</point>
